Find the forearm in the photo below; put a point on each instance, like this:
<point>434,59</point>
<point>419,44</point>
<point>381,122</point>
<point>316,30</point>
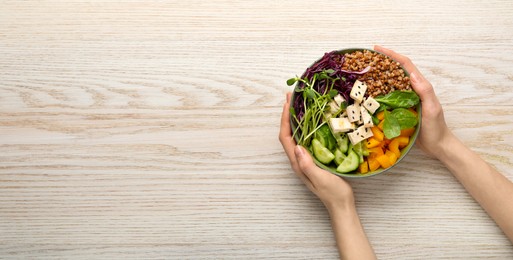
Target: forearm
<point>352,243</point>
<point>492,190</point>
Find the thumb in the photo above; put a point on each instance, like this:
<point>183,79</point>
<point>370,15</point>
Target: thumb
<point>423,88</point>
<point>306,163</point>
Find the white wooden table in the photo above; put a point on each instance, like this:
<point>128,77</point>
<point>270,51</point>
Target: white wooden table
<point>148,129</point>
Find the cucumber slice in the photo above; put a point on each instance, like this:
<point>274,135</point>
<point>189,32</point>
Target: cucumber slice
<point>339,156</point>
<point>323,154</point>
<point>324,135</point>
<point>358,149</point>
<point>350,163</point>
<point>365,150</point>
<point>343,142</point>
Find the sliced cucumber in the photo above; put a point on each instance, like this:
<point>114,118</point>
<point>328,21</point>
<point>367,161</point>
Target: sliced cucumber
<point>365,150</point>
<point>339,156</point>
<point>324,135</point>
<point>358,149</point>
<point>323,154</point>
<point>350,163</point>
<point>343,142</point>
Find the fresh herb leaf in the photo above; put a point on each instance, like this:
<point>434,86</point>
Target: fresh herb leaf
<point>292,81</point>
<point>332,93</point>
<point>397,99</point>
<point>391,127</point>
<point>310,93</point>
<point>405,117</point>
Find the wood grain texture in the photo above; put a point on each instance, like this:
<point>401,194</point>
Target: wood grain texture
<point>148,130</point>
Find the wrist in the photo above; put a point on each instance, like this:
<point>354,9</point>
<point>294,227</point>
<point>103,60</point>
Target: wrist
<point>447,144</point>
<point>341,207</point>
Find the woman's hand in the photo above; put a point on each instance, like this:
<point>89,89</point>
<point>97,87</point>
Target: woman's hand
<point>332,190</point>
<point>434,131</point>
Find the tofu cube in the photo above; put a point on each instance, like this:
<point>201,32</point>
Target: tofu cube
<point>334,107</point>
<point>358,106</point>
<point>358,91</point>
<point>360,134</point>
<point>354,137</point>
<point>364,132</point>
<point>341,125</point>
<point>371,105</point>
<point>353,113</point>
<point>339,99</point>
<point>366,118</point>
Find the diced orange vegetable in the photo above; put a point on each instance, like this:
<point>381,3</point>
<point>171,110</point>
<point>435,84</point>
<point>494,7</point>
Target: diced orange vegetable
<point>391,157</point>
<point>372,142</point>
<point>373,164</point>
<point>394,147</point>
<point>384,161</point>
<point>364,167</point>
<point>377,133</point>
<point>380,125</point>
<point>407,132</point>
<point>381,115</point>
<point>403,141</point>
<point>376,150</point>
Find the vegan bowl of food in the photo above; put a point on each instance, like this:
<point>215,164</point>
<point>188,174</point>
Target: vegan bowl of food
<point>355,111</point>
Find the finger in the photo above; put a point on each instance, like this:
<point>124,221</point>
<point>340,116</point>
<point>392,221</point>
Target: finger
<point>285,136</point>
<point>287,99</point>
<point>307,165</point>
<point>287,141</point>
<point>425,91</point>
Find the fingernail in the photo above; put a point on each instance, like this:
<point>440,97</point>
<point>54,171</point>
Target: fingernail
<point>299,152</point>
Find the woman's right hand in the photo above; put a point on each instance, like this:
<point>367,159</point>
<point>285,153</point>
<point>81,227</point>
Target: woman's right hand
<point>434,131</point>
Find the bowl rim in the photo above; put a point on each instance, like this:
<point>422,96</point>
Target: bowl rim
<point>404,151</point>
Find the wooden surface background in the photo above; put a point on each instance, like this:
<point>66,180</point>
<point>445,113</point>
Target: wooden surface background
<point>148,129</point>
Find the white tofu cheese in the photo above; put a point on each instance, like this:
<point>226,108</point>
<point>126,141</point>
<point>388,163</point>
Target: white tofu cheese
<point>366,117</point>
<point>341,125</point>
<point>358,107</point>
<point>371,105</point>
<point>339,99</point>
<point>358,91</point>
<point>353,113</point>
<point>334,107</point>
<point>354,137</point>
<point>364,132</point>
<point>360,134</point>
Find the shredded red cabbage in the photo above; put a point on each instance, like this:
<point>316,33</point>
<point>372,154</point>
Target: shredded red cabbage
<point>330,60</point>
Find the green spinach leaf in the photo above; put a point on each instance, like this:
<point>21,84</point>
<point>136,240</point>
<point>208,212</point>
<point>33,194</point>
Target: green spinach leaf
<point>405,117</point>
<point>397,99</point>
<point>391,127</point>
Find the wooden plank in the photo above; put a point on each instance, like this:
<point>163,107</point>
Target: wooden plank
<point>131,129</point>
